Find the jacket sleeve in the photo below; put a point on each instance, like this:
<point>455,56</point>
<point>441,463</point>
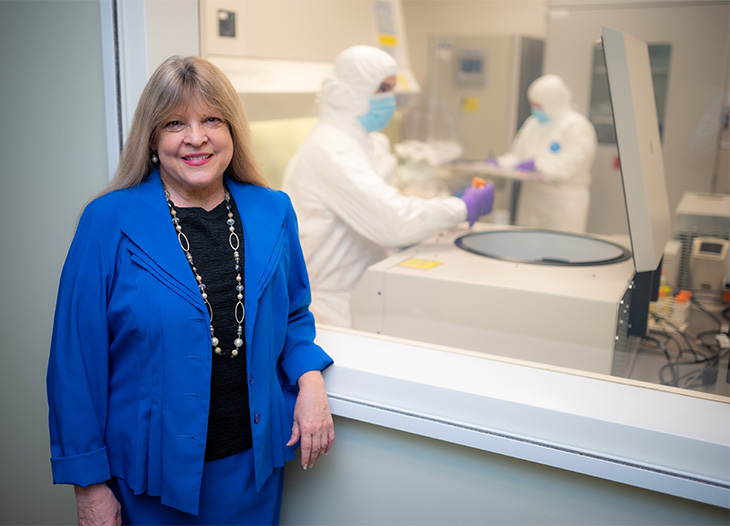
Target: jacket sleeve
<point>300,353</point>
<point>376,210</point>
<point>77,377</point>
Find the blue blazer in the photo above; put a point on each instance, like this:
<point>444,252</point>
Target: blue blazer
<point>129,369</point>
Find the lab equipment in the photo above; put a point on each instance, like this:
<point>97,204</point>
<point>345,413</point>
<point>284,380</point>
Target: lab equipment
<point>708,263</point>
<point>482,80</point>
<point>569,300</point>
<point>671,311</point>
<point>670,263</point>
<point>699,215</point>
<point>547,297</point>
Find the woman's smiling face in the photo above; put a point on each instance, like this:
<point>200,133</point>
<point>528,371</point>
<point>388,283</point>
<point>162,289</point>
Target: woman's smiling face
<point>194,147</point>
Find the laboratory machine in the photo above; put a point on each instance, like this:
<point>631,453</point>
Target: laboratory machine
<point>569,300</point>
<point>483,80</point>
<point>702,228</point>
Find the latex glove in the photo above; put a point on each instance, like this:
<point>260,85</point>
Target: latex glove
<point>492,161</point>
<point>526,166</point>
<point>479,202</point>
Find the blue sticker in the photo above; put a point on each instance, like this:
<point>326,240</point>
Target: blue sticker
<point>555,147</point>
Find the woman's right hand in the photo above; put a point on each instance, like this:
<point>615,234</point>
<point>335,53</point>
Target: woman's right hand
<point>96,505</point>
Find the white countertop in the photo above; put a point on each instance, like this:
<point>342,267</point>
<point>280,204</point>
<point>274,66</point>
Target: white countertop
<point>663,439</point>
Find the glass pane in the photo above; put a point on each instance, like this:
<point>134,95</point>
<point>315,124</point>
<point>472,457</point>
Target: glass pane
<point>600,113</point>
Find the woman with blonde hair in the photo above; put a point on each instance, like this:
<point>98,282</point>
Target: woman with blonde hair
<point>183,371</point>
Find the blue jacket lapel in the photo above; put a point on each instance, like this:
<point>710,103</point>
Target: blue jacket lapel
<point>263,217</point>
<point>148,225</point>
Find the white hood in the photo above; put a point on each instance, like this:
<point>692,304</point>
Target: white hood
<point>550,92</point>
<point>356,75</point>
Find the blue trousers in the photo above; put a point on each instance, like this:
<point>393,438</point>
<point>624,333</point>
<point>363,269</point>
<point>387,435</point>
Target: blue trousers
<point>228,496</point>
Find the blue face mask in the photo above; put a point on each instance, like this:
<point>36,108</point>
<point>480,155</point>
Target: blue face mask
<point>382,107</point>
<point>540,115</point>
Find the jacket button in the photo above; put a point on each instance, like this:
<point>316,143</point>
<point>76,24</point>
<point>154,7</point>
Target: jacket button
<point>250,379</point>
<point>256,418</point>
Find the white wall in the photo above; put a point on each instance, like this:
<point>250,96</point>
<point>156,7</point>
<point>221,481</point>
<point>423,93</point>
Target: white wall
<point>54,159</point>
<point>150,31</point>
<point>426,18</point>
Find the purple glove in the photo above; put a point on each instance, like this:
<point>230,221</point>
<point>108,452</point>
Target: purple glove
<point>492,161</point>
<point>526,166</point>
<point>479,201</point>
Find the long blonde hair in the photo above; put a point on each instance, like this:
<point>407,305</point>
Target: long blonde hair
<point>177,82</point>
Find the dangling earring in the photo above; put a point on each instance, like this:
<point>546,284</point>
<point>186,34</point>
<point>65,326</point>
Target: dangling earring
<point>154,158</point>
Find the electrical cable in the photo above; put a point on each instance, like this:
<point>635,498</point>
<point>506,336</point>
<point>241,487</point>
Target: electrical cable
<point>704,309</point>
<point>704,353</point>
<point>674,367</point>
<point>673,334</point>
<point>664,350</point>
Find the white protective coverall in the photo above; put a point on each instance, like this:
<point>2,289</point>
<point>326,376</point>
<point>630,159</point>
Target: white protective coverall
<point>563,150</point>
<point>349,216</point>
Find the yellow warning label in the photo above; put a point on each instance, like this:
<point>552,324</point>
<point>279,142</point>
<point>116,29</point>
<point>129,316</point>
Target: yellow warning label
<point>387,40</point>
<point>471,104</point>
<point>421,264</point>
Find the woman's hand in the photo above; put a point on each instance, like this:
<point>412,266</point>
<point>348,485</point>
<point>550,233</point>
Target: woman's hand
<point>96,505</point>
<point>312,419</point>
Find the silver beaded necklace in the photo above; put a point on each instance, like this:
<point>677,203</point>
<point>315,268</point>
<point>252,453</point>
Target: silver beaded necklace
<point>233,241</point>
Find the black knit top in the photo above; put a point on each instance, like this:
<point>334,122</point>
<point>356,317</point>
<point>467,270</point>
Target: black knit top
<point>229,421</point>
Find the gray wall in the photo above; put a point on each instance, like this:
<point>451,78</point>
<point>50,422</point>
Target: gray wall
<point>375,475</point>
<point>53,155</point>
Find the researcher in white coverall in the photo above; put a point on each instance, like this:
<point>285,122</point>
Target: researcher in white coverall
<point>349,216</point>
<point>557,145</point>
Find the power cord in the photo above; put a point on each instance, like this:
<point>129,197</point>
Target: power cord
<point>707,354</point>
